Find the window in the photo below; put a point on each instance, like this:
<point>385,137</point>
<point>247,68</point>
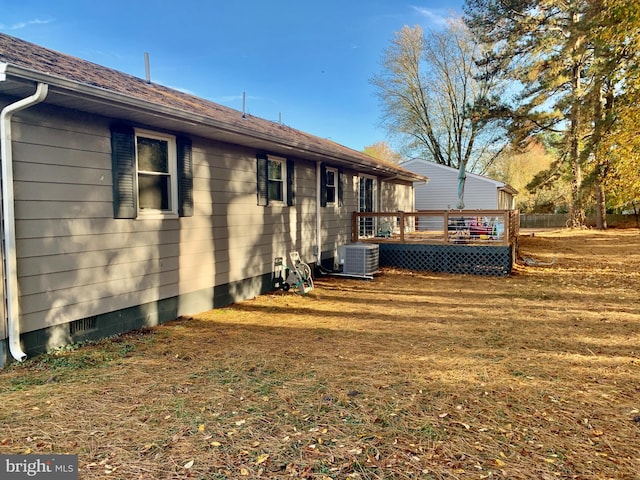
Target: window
<point>331,185</point>
<point>367,203</point>
<point>367,194</point>
<point>152,174</point>
<point>275,177</point>
<point>157,182</point>
<point>275,180</point>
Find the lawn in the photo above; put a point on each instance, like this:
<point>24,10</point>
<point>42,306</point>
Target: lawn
<point>412,375</point>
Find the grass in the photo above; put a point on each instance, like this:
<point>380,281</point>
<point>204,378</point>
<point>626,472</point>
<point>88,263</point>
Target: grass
<point>413,375</point>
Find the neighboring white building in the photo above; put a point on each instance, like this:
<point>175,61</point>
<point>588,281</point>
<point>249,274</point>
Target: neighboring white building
<point>441,192</point>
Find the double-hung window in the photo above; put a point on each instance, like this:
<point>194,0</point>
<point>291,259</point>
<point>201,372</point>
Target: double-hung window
<point>276,170</point>
<point>152,174</point>
<point>331,186</point>
<point>157,179</point>
<point>275,180</point>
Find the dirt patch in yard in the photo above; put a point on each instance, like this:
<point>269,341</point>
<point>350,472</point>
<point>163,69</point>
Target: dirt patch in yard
<point>413,375</point>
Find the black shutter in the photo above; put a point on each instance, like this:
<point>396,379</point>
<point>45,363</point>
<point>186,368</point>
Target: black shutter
<point>323,185</point>
<point>262,166</point>
<point>185,177</point>
<point>340,190</point>
<point>290,178</point>
<point>123,160</point>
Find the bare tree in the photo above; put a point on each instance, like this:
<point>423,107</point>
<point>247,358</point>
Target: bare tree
<point>435,98</point>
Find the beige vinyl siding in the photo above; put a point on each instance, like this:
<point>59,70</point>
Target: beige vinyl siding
<point>336,221</point>
<point>396,197</point>
<point>75,261</point>
<point>505,201</point>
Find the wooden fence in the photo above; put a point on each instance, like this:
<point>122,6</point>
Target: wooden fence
<point>559,220</point>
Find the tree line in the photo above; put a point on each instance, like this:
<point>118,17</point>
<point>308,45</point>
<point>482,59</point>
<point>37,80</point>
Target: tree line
<point>512,75</point>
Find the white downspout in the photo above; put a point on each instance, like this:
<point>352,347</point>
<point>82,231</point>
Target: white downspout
<point>8,218</point>
<point>318,213</point>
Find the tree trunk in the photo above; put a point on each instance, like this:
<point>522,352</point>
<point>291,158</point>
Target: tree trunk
<point>601,208</point>
<point>600,116</point>
<point>576,210</point>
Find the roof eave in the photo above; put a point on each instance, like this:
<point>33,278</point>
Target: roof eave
<point>509,189</point>
<point>93,93</point>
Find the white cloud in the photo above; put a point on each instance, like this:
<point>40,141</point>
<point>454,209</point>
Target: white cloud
<point>435,16</point>
<point>21,25</point>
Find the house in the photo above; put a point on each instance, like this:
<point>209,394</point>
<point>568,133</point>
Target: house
<point>127,203</point>
<point>441,193</point>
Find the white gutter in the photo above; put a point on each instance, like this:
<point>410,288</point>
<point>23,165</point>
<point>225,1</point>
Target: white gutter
<point>241,128</point>
<point>8,218</point>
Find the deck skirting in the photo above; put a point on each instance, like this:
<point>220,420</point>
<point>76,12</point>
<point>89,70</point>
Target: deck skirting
<point>496,260</point>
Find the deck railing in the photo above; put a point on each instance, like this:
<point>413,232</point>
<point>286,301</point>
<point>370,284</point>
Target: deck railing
<point>493,227</point>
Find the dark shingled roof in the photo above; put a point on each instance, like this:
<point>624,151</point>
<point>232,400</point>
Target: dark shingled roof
<point>17,52</point>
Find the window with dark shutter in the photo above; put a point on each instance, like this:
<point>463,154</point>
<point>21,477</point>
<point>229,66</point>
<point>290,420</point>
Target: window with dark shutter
<point>123,158</point>
<point>290,181</point>
<point>185,177</point>
<point>262,166</point>
<point>329,188</point>
<point>152,174</point>
<point>323,185</point>
<point>275,180</point>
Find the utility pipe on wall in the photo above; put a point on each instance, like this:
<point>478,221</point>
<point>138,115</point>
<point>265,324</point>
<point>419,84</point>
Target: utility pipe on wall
<point>8,218</point>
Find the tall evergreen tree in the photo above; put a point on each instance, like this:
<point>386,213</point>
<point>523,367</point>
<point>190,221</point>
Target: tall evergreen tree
<point>536,44</point>
<point>576,62</point>
<point>614,146</point>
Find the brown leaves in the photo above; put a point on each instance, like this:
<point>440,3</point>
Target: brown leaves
<point>455,376</point>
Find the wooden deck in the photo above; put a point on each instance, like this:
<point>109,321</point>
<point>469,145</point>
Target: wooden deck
<point>484,227</point>
<point>481,242</point>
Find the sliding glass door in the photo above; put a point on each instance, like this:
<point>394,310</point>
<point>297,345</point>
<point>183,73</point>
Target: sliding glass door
<point>367,203</point>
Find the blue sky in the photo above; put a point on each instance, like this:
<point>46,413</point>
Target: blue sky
<point>307,61</point>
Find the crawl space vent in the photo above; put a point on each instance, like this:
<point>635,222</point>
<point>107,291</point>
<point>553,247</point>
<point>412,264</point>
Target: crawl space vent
<point>82,325</point>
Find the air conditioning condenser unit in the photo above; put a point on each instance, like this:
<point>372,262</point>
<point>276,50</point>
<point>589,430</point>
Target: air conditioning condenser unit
<point>359,259</point>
